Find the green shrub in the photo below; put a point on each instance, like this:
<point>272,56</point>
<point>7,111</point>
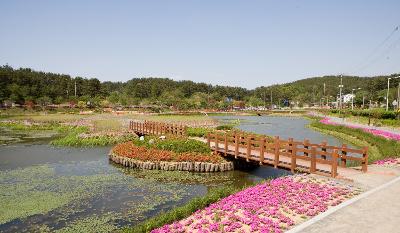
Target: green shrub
<point>198,132</point>
<point>374,113</point>
<point>73,139</point>
<point>178,145</point>
<point>225,127</point>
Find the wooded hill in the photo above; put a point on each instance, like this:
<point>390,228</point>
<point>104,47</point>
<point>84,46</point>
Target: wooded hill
<point>24,84</point>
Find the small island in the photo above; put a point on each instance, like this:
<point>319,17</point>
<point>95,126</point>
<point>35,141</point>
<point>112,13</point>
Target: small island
<point>175,154</point>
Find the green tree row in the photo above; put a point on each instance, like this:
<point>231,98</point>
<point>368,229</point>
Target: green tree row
<point>24,84</point>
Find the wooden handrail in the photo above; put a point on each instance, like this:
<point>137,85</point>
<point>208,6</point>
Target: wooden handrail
<point>157,128</point>
<point>254,148</point>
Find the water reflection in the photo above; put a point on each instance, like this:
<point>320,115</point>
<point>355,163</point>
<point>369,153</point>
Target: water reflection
<point>284,127</point>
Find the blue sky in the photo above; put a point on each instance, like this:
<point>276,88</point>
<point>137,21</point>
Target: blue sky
<point>239,43</point>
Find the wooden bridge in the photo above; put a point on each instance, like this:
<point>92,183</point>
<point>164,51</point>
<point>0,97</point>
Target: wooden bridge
<point>157,128</point>
<point>322,159</point>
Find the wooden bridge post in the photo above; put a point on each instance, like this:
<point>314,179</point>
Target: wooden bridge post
<point>334,163</point>
<point>209,139</point>
<point>226,144</point>
<point>262,149</point>
<point>305,145</point>
<point>343,157</point>
<point>216,141</point>
<point>365,157</point>
<point>163,128</point>
<point>248,148</point>
<point>323,148</point>
<point>313,167</point>
<point>148,127</point>
<point>277,148</point>
<point>184,129</point>
<point>237,138</point>
<point>292,151</point>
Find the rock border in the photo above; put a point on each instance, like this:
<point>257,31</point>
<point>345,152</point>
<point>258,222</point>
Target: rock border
<point>171,166</point>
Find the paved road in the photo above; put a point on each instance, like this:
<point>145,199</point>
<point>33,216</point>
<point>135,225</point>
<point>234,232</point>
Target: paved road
<point>378,212</point>
<point>344,121</point>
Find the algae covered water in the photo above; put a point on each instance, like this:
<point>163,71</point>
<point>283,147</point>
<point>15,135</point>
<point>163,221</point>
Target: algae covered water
<point>45,188</point>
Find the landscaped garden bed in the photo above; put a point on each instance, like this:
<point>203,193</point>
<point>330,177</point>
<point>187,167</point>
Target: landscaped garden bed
<point>175,154</point>
<point>274,206</point>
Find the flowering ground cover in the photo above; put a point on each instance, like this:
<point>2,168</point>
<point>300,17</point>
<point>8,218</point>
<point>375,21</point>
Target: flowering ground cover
<point>130,150</point>
<point>377,132</point>
<point>388,162</point>
<point>273,206</point>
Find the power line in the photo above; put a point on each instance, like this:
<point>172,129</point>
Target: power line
<point>385,52</point>
<point>366,61</point>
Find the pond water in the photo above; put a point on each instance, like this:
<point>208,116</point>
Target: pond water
<point>284,127</point>
<point>45,188</point>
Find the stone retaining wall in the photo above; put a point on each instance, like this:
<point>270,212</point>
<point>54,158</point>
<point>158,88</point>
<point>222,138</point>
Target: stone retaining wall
<point>172,166</point>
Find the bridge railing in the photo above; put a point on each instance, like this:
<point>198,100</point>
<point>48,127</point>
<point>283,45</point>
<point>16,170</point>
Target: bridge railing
<point>286,153</point>
<point>157,128</point>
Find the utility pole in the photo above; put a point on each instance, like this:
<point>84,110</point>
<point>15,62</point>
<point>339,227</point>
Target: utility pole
<point>265,103</point>
<point>324,91</point>
<point>387,95</point>
<point>75,88</point>
<point>398,96</point>
<point>352,97</point>
<point>340,93</point>
<point>363,101</point>
<point>272,105</point>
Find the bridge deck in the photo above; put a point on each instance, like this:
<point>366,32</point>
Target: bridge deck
<point>284,161</point>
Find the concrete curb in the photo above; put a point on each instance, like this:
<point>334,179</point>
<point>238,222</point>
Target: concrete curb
<point>332,210</point>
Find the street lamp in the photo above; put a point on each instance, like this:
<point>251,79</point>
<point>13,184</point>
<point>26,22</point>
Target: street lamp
<point>352,97</point>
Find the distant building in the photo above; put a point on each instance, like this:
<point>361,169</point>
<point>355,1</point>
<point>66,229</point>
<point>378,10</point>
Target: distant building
<point>346,98</point>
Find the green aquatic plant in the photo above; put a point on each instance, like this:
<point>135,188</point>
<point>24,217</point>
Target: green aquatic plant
<point>212,179</point>
<point>95,224</point>
<point>181,212</point>
<point>39,190</point>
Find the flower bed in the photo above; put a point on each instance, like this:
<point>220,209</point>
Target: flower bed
<point>377,132</point>
<point>387,162</point>
<point>273,206</point>
<point>148,156</point>
<point>142,153</point>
